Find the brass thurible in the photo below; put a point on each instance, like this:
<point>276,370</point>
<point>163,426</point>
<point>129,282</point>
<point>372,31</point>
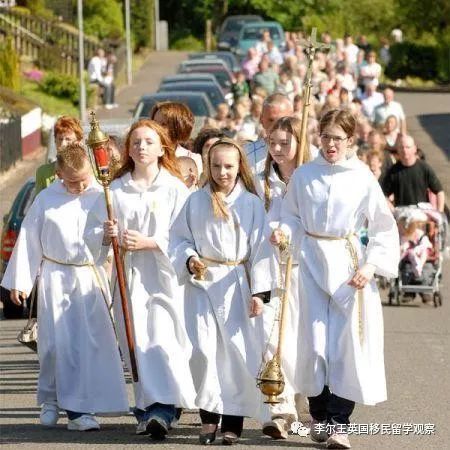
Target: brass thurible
<point>271,379</point>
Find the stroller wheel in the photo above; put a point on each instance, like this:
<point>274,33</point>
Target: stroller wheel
<point>437,299</point>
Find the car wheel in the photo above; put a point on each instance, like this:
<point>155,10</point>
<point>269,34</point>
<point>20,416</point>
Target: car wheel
<point>10,310</point>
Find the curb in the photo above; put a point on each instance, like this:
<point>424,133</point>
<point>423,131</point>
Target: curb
<point>445,89</point>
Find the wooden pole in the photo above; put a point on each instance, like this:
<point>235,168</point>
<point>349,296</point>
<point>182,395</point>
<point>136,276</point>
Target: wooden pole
<point>122,288</point>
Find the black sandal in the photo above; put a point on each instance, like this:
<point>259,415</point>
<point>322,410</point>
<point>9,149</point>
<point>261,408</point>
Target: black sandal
<point>208,438</point>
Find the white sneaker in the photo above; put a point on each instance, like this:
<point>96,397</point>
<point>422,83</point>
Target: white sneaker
<point>141,427</point>
<point>109,106</point>
<point>338,440</point>
<point>86,422</point>
<point>49,414</point>
<point>318,431</point>
<point>276,428</point>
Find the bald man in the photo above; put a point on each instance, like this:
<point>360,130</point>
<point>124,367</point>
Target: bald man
<point>409,181</point>
<point>274,107</point>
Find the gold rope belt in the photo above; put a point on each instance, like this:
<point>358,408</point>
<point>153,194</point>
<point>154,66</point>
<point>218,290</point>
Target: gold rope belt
<point>354,256</point>
<point>224,263</point>
<point>97,277</point>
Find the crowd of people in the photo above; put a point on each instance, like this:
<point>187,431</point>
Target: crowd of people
<point>203,226</point>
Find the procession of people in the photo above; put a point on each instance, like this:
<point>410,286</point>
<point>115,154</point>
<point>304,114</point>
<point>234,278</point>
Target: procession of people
<point>203,229</point>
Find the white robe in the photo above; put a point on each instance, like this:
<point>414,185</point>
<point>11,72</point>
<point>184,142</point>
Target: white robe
<point>155,298</point>
<point>272,310</point>
<point>336,200</point>
<point>227,343</point>
<point>79,359</point>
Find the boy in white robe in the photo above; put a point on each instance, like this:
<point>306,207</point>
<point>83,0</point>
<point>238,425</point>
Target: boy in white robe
<point>341,332</point>
<point>221,230</point>
<point>80,367</point>
<point>147,195</point>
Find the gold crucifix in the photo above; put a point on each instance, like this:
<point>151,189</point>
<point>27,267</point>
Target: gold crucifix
<point>311,46</point>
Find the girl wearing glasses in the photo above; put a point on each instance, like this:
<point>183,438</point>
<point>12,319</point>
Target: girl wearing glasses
<point>341,325</point>
<point>216,245</point>
<point>281,161</point>
<point>147,195</point>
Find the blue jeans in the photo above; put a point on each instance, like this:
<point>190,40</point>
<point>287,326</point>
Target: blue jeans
<point>72,415</point>
<point>165,412</point>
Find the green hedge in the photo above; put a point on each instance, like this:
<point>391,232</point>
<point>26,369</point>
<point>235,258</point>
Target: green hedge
<point>418,60</point>
<point>63,86</point>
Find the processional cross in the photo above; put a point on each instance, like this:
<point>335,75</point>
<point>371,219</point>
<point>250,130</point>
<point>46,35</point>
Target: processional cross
<point>311,47</point>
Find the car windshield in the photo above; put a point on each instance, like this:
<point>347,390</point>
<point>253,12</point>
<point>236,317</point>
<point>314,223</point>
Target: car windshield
<point>255,33</point>
<point>213,92</point>
<point>234,25</point>
<point>195,104</point>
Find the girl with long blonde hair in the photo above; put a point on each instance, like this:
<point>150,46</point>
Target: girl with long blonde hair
<point>217,246</point>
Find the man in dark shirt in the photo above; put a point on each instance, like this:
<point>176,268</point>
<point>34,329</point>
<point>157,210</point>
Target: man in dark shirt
<point>409,181</point>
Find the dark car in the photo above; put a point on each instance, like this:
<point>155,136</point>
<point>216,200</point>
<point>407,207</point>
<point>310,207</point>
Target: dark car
<point>189,77</point>
<point>210,88</point>
<point>192,64</point>
<point>11,227</point>
<point>228,57</point>
<point>223,75</point>
<point>197,102</point>
<point>229,31</point>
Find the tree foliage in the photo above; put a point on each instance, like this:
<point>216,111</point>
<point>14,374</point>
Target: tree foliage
<point>103,18</point>
<point>142,23</point>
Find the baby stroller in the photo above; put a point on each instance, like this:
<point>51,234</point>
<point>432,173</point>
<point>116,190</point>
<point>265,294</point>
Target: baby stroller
<point>422,232</point>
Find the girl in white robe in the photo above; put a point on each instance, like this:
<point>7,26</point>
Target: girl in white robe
<point>284,146</point>
<point>341,323</point>
<point>222,229</point>
<point>80,367</point>
<point>147,196</point>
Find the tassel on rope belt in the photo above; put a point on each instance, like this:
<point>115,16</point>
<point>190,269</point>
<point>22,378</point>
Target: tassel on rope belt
<point>354,257</point>
<point>97,277</point>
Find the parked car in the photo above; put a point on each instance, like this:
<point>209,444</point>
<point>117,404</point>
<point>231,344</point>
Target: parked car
<point>196,76</point>
<point>222,74</point>
<point>211,89</point>
<point>228,57</point>
<point>251,33</point>
<point>197,102</point>
<point>11,227</point>
<point>230,28</point>
<point>192,64</point>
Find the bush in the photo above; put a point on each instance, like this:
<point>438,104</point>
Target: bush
<point>63,86</point>
<point>9,66</point>
<point>190,43</point>
<point>429,62</point>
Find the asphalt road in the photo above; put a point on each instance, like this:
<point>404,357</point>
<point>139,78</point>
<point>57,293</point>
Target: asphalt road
<point>416,335</point>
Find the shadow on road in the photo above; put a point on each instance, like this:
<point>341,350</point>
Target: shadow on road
<point>437,127</point>
<point>116,435</point>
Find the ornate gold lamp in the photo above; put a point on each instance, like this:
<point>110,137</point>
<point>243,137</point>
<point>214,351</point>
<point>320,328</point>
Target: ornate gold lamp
<point>101,163</point>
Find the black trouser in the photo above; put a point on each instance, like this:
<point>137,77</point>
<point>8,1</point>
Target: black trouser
<point>234,424</point>
<point>330,407</point>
